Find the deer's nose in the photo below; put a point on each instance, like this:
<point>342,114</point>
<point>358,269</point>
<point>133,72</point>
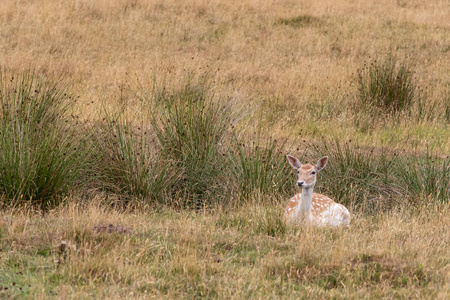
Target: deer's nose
<point>300,183</point>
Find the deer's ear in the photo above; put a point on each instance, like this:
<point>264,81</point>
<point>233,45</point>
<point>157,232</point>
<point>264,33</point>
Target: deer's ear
<point>322,163</point>
<point>295,163</point>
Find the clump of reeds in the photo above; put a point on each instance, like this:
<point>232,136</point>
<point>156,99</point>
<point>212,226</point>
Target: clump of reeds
<point>387,85</point>
<point>129,162</point>
<point>191,128</point>
<point>259,165</point>
<point>373,177</point>
<point>189,154</point>
<point>43,156</point>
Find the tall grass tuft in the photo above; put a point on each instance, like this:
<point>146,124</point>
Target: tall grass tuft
<point>42,155</point>
<point>387,85</point>
<point>354,176</point>
<point>130,162</point>
<point>259,165</point>
<point>191,126</point>
<point>371,178</point>
<point>423,178</point>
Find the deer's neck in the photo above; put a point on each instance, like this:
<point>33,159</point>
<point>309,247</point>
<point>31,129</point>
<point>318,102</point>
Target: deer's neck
<point>304,208</point>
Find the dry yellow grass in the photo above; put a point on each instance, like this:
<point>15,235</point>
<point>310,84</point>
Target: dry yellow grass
<point>282,57</point>
<point>222,254</point>
<point>294,63</point>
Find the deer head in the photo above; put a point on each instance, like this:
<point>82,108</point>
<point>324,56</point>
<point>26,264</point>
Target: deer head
<point>307,174</point>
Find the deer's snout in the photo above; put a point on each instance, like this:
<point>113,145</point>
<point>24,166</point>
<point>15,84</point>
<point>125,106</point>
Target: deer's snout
<point>300,183</point>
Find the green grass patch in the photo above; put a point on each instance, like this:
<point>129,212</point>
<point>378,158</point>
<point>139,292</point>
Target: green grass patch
<point>371,178</point>
<point>259,166</point>
<point>299,21</point>
<point>191,127</point>
<point>386,85</point>
<point>44,153</point>
<point>130,163</point>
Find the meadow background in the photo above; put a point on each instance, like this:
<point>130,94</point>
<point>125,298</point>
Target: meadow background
<point>143,148</point>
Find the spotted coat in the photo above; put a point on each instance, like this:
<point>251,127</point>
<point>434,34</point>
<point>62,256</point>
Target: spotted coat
<point>324,211</point>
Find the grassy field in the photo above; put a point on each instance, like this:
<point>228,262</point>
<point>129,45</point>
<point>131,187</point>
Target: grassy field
<point>143,148</point>
<point>283,58</point>
<point>245,253</point>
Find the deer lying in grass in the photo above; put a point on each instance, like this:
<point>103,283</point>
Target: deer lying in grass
<point>311,208</point>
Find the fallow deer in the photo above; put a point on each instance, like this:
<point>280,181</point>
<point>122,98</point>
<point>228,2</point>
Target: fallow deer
<point>311,208</point>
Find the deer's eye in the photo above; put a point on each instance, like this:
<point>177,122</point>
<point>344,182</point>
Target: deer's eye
<point>313,172</point>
